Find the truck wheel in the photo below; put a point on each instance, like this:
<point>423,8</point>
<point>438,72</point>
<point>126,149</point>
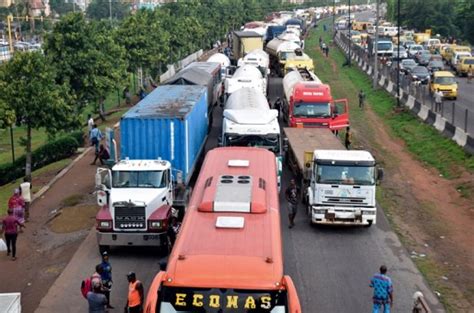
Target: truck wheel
<point>370,224</point>
<point>308,212</point>
<point>103,249</point>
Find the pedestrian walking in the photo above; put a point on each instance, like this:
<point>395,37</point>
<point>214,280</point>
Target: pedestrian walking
<point>135,295</point>
<point>25,190</point>
<point>102,155</point>
<point>95,137</point>
<point>348,138</point>
<point>142,93</point>
<point>127,95</point>
<point>173,231</point>
<point>90,123</point>
<point>470,73</point>
<point>292,194</point>
<point>320,42</point>
<point>10,228</point>
<point>17,205</point>
<point>106,276</point>
<point>383,291</point>
<point>96,299</point>
<point>361,99</point>
<point>326,51</point>
<point>277,105</point>
<point>438,95</point>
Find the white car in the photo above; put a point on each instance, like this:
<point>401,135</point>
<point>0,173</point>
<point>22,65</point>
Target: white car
<point>414,49</point>
<point>399,55</point>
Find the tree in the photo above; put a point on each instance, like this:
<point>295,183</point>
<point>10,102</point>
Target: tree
<point>87,58</point>
<point>30,90</point>
<point>100,9</point>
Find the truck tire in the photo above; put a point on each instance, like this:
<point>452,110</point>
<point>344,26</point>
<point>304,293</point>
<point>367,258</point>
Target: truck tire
<point>103,248</point>
<point>370,224</point>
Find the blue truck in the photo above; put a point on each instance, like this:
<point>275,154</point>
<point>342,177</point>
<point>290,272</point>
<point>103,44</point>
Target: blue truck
<point>161,141</point>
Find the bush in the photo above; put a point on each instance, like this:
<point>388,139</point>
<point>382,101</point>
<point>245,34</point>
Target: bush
<point>53,151</point>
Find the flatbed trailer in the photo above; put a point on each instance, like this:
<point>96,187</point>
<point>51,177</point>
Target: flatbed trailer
<point>303,141</point>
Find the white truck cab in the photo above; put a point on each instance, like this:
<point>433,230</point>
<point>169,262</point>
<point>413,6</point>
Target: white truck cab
<point>138,194</point>
<point>342,187</point>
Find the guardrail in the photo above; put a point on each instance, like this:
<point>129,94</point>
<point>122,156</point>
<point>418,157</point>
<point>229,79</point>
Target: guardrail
<point>452,121</point>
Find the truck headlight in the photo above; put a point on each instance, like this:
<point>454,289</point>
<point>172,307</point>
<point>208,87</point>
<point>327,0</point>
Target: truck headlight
<point>366,212</point>
<point>104,224</point>
<point>155,224</point>
<point>319,211</point>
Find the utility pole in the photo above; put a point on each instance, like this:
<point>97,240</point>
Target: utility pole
<point>398,56</point>
<point>350,38</point>
<point>10,40</point>
<point>376,52</point>
<point>110,10</point>
<point>334,15</point>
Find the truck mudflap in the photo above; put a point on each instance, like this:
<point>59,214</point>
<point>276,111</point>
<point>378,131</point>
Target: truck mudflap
<point>343,216</point>
<point>131,239</point>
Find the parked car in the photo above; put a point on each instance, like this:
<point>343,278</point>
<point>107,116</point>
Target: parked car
<point>434,66</point>
<point>423,57</point>
<point>419,74</point>
<point>414,49</point>
<point>407,65</point>
<point>446,82</point>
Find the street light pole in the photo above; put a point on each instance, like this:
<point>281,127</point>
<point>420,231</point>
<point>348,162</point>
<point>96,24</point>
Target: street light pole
<point>376,50</point>
<point>350,39</point>
<point>398,56</point>
<point>110,10</point>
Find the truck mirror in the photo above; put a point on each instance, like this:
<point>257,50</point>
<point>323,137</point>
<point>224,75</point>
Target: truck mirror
<point>380,174</point>
<point>285,144</point>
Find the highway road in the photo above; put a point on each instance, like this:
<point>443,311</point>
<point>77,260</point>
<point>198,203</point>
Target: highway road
<point>331,266</point>
<point>463,105</point>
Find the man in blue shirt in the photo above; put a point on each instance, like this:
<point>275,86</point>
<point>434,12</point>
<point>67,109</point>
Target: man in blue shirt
<point>106,276</point>
<point>383,291</point>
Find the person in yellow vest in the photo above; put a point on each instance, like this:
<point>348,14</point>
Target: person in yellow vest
<point>135,297</point>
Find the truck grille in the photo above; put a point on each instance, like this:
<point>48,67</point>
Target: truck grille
<point>345,201</point>
<point>315,124</point>
<point>130,217</point>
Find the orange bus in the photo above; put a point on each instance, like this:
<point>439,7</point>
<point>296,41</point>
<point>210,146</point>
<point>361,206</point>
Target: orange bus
<point>228,254</point>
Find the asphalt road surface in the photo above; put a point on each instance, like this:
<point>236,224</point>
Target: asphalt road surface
<point>331,266</point>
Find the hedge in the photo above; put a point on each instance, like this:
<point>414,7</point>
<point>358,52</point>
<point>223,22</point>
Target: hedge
<point>50,152</point>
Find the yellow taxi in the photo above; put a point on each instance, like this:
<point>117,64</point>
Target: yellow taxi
<point>446,82</point>
<point>444,49</point>
<point>453,49</point>
<point>463,66</point>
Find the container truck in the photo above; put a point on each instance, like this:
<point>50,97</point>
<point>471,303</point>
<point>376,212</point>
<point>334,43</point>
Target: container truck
<point>245,76</point>
<point>338,184</point>
<point>243,42</point>
<point>249,122</point>
<point>279,50</point>
<point>206,74</point>
<point>309,103</point>
<point>161,141</point>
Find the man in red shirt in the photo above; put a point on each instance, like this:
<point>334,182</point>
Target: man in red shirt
<point>10,228</point>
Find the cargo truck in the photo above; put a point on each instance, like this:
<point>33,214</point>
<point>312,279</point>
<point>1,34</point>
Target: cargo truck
<point>161,140</point>
<point>249,122</point>
<point>243,42</point>
<point>309,103</point>
<point>338,184</point>
<point>273,31</point>
<point>206,74</point>
<point>279,50</point>
<point>384,46</point>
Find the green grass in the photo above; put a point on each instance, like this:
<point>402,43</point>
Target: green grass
<point>7,190</point>
<point>422,140</point>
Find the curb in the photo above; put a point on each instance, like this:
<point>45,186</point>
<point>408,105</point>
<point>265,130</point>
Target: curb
<point>43,190</point>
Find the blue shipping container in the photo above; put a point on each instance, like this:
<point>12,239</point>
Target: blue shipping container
<point>170,123</point>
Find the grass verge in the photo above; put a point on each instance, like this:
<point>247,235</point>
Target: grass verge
<point>50,170</point>
<point>422,140</point>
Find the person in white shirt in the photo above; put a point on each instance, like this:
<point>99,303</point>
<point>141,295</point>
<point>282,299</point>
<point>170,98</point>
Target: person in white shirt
<point>90,123</point>
<point>438,100</point>
<point>25,189</point>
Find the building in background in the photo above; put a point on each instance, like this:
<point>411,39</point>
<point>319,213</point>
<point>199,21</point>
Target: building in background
<point>39,7</point>
<point>5,3</point>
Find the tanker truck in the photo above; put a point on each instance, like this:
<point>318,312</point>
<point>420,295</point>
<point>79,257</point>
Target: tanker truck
<point>245,76</point>
<point>309,103</point>
<point>279,50</point>
<point>259,59</point>
<point>249,122</point>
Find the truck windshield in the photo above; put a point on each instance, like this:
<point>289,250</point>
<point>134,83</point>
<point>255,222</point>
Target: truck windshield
<point>345,175</point>
<point>286,55</point>
<point>139,179</point>
<point>312,109</point>
<point>384,46</point>
<point>269,141</point>
<point>209,300</point>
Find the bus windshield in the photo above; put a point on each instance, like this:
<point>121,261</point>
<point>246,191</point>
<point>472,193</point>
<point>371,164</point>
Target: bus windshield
<point>345,175</point>
<point>268,141</point>
<point>182,300</point>
<point>312,109</point>
<point>139,179</point>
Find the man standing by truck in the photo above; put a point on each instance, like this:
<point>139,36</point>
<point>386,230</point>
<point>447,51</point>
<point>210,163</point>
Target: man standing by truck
<point>292,194</point>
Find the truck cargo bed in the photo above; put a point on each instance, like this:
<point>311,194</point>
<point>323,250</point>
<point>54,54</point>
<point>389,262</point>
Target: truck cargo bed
<point>306,140</point>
